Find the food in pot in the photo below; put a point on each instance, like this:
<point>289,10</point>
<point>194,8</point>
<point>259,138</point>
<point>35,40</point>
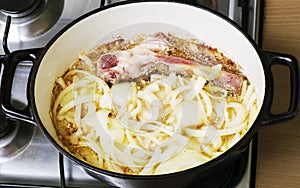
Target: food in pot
<point>153,104</point>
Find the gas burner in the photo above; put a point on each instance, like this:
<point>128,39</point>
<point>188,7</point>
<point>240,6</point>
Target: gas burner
<point>17,8</point>
<point>14,139</point>
<point>30,18</point>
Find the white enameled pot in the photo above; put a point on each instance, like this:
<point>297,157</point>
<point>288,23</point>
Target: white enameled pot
<point>127,20</point>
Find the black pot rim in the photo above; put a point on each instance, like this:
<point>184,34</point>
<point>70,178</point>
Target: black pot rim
<point>230,152</point>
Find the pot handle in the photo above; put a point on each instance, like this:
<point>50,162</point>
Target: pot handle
<point>10,63</point>
<point>270,59</point>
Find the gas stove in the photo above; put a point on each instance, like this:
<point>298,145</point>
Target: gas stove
<point>27,158</point>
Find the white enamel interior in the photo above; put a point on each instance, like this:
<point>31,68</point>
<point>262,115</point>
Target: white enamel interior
<point>148,17</point>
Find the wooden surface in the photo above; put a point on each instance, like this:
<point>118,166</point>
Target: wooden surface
<point>278,162</point>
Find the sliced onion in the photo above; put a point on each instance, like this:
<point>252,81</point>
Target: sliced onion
<point>218,113</point>
<point>209,73</point>
<point>216,92</point>
<point>240,114</point>
<point>120,94</point>
<point>91,110</point>
<point>86,59</point>
<point>152,162</point>
<point>184,160</point>
<point>61,82</point>
<point>78,101</point>
<point>192,114</point>
<point>223,132</point>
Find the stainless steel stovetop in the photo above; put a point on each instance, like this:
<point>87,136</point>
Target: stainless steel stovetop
<point>37,163</point>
